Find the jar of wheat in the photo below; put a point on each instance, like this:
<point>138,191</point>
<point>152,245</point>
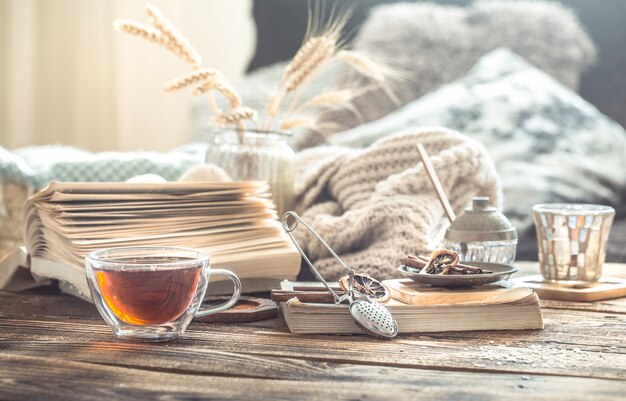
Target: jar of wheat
<point>256,155</point>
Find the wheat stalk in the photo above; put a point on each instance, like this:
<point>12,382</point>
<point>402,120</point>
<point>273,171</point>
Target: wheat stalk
<point>204,87</point>
<point>330,98</point>
<point>312,52</point>
<point>135,29</point>
<point>378,71</point>
<point>273,106</point>
<point>311,122</point>
<point>176,42</point>
<point>322,40</point>
<point>236,115</point>
<point>323,44</point>
<point>318,54</point>
<point>297,122</point>
<point>233,98</point>
<point>334,97</point>
<point>363,64</point>
<point>192,78</point>
<point>309,58</point>
<point>165,34</point>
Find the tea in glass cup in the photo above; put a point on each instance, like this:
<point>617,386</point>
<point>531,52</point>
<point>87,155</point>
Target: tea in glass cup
<point>152,293</point>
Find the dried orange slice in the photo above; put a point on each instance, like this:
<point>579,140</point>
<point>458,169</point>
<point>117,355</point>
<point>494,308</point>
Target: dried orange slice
<point>367,285</point>
<point>440,262</point>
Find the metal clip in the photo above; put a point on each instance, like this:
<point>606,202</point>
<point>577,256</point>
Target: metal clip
<point>349,295</point>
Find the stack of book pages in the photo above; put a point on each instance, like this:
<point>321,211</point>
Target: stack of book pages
<point>420,308</point>
<point>235,222</point>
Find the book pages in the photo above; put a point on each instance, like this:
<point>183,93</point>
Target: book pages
<point>235,222</point>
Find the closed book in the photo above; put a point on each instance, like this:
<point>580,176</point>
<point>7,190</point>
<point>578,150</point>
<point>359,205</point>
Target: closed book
<point>489,307</point>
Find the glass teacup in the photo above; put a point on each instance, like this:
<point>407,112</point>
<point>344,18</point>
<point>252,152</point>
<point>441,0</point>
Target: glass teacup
<point>152,293</point>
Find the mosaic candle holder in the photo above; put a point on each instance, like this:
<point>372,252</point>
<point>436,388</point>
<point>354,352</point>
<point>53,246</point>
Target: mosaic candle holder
<point>572,240</point>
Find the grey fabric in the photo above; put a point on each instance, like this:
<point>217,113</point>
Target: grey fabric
<point>436,44</point>
<point>281,24</point>
<point>548,144</point>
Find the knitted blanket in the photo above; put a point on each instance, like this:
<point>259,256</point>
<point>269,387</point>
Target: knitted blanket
<point>374,205</point>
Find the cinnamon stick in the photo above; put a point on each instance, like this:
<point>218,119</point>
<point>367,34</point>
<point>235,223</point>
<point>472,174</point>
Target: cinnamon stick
<point>423,259</point>
<point>434,179</point>
<point>413,262</point>
<point>315,288</point>
<point>458,270</point>
<point>303,296</point>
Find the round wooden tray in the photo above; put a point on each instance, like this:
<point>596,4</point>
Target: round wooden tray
<point>247,309</point>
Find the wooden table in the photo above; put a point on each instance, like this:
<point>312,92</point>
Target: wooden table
<point>54,347</point>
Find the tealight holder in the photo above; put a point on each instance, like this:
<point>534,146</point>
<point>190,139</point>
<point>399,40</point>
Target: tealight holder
<point>572,239</point>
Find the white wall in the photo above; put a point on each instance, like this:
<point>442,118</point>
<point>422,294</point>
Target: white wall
<point>67,78</point>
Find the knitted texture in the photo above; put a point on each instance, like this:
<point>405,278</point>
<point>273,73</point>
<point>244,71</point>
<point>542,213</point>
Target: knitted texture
<point>374,205</point>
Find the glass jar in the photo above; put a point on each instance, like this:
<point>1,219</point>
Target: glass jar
<point>482,234</point>
<point>484,251</point>
<point>256,155</point>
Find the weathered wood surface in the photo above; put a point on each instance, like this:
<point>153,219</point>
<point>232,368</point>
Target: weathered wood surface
<point>53,346</point>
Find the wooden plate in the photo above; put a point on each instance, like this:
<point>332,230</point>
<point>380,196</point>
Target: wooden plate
<point>605,288</point>
<point>500,272</point>
<point>247,309</point>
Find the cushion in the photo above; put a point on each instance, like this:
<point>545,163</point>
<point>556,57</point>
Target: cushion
<point>548,144</point>
<point>433,44</point>
<point>26,170</point>
<point>36,166</point>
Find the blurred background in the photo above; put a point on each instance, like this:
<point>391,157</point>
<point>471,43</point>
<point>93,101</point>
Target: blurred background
<point>67,78</point>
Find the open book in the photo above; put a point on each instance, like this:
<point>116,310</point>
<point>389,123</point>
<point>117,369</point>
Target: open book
<point>420,308</point>
<point>233,221</point>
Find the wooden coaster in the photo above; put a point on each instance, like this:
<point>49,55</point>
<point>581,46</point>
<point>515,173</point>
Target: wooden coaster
<point>605,288</point>
<point>247,309</point>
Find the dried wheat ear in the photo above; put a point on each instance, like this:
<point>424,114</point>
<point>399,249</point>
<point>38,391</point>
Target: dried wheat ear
<point>323,45</point>
<point>205,81</point>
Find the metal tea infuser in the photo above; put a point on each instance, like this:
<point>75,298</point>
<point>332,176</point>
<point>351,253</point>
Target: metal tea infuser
<point>372,317</point>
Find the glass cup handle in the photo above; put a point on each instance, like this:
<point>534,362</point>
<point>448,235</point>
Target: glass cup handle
<point>232,301</point>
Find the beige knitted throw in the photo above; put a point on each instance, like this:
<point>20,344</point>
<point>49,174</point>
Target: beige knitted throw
<point>374,205</point>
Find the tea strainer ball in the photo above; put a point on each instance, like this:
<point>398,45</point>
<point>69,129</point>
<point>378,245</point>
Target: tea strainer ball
<point>372,317</point>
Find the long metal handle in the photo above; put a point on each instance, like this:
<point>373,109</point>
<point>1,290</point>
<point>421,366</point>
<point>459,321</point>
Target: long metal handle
<point>289,229</point>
